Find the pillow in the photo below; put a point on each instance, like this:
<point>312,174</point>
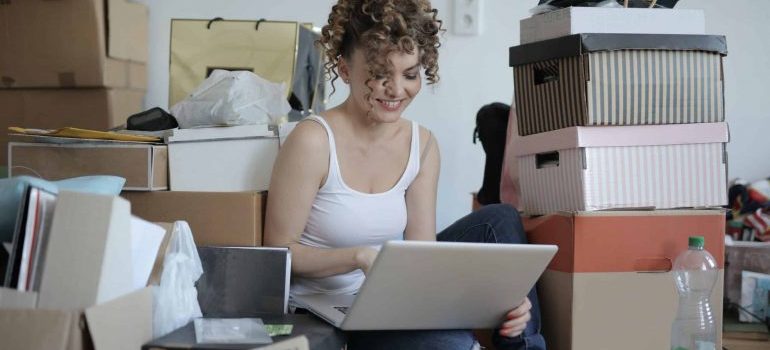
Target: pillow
<point>12,190</point>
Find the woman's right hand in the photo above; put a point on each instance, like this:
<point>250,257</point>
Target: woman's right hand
<point>364,257</point>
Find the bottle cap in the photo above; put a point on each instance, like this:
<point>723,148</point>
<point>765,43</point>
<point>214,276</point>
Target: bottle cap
<point>696,242</point>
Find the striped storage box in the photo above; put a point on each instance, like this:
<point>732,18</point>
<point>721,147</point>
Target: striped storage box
<point>618,79</point>
<point>597,168</point>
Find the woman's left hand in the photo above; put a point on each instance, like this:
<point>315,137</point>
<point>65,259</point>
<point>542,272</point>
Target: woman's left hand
<point>516,320</point>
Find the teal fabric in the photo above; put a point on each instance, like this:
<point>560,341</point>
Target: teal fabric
<point>12,190</point>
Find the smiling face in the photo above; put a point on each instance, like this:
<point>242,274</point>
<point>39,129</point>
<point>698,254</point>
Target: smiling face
<point>382,99</point>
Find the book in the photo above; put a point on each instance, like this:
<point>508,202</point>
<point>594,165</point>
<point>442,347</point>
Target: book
<point>30,239</point>
<point>14,259</point>
<point>46,203</point>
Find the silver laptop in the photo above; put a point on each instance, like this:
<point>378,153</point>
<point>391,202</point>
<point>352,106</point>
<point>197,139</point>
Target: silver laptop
<point>436,285</point>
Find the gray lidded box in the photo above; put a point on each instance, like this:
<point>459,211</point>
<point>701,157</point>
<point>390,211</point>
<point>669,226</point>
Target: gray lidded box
<point>243,281</point>
<point>618,79</point>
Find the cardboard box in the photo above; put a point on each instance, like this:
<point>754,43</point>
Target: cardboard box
<point>89,247</point>
<point>73,43</point>
<point>209,162</point>
<point>14,299</point>
<point>576,20</point>
<point>610,285</point>
<point>618,79</point>
<point>157,267</point>
<point>97,109</point>
<point>122,323</point>
<point>86,300</point>
<point>597,168</point>
<point>267,48</point>
<point>143,165</point>
<point>216,219</point>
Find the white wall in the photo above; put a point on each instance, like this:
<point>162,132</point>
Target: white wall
<point>474,71</point>
<point>747,75</point>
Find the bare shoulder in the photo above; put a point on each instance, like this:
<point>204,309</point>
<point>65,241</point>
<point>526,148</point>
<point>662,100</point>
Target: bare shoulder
<point>427,140</point>
<point>308,135</point>
<point>305,151</point>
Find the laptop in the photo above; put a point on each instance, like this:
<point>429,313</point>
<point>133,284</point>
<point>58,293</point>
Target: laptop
<point>436,285</point>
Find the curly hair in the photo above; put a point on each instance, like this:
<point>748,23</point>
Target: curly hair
<point>381,27</point>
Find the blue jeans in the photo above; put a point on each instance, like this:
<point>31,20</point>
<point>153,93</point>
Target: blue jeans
<point>498,223</point>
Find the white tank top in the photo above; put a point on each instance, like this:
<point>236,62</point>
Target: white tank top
<point>343,217</point>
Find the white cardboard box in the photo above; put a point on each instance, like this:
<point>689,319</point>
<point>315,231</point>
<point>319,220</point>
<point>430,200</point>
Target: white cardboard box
<point>232,162</point>
<point>88,258</point>
<point>621,167</point>
<point>576,20</point>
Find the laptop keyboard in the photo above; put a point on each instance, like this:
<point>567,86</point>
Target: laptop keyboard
<point>342,309</point>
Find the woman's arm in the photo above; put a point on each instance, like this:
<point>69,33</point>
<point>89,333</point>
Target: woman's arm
<point>299,171</point>
<point>421,194</point>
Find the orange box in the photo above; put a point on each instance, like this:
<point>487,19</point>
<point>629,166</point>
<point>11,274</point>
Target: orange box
<point>610,285</point>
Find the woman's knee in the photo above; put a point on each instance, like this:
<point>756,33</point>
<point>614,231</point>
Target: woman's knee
<point>506,222</point>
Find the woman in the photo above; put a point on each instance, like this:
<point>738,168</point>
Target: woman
<point>359,175</point>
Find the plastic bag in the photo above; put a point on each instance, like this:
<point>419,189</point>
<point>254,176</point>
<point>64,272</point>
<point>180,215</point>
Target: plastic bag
<point>231,331</point>
<point>176,299</point>
<point>228,98</point>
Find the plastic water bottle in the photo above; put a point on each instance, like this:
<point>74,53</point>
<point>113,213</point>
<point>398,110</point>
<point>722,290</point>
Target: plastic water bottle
<point>695,274</point>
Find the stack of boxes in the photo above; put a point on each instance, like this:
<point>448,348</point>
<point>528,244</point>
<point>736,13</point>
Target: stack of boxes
<point>71,63</point>
<point>213,178</point>
<point>621,144</point>
<point>90,293</point>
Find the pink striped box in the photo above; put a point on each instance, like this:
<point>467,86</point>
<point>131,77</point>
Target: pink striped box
<point>622,167</point>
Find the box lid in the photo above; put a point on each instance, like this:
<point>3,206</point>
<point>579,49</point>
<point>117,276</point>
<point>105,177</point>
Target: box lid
<point>626,135</point>
<point>122,323</point>
<point>578,44</point>
<point>219,133</point>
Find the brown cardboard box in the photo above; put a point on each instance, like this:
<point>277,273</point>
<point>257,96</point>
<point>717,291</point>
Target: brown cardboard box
<point>216,218</point>
<point>73,43</point>
<point>610,284</point>
<point>143,165</point>
<point>122,323</point>
<point>97,109</point>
